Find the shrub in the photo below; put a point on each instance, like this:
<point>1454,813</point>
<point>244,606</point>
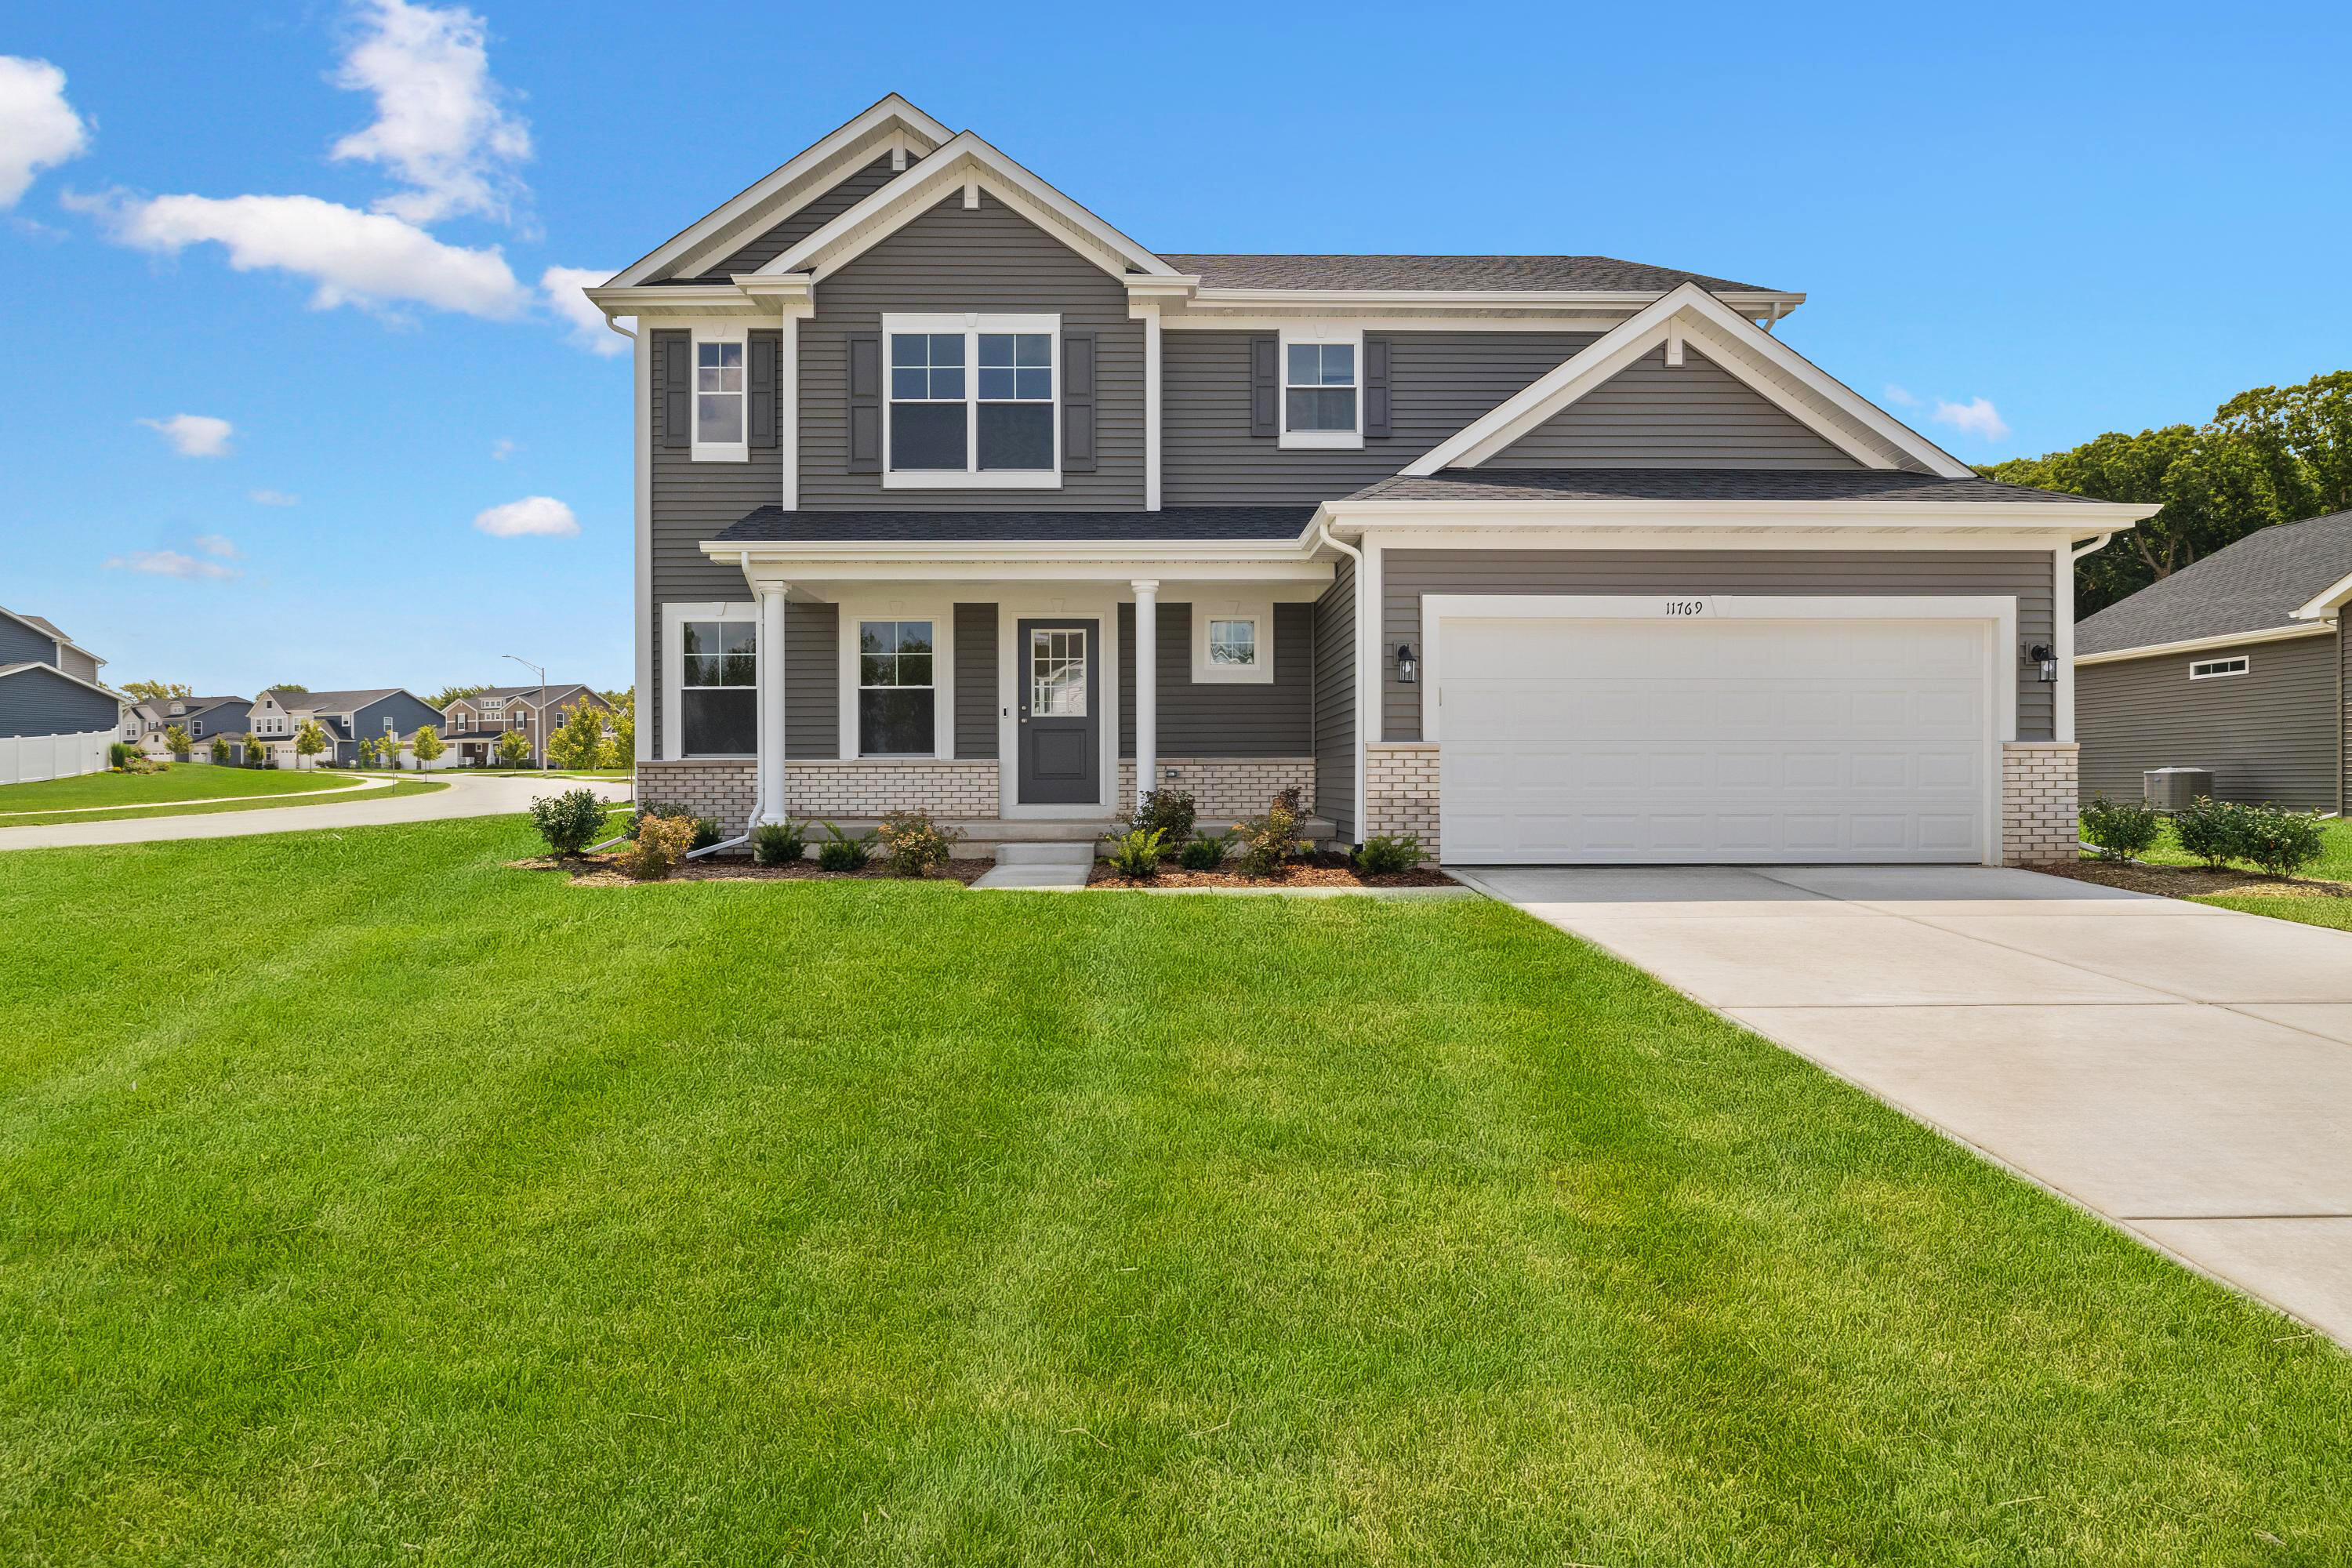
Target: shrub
<point>1136,853</point>
<point>1169,812</point>
<point>651,808</point>
<point>840,852</point>
<point>119,755</point>
<point>1203,854</point>
<point>569,822</point>
<point>707,832</point>
<point>220,750</point>
<point>1387,853</point>
<point>2280,841</point>
<point>2119,829</point>
<point>1269,841</point>
<point>914,843</point>
<point>660,844</point>
<point>779,842</point>
<point>2207,829</point>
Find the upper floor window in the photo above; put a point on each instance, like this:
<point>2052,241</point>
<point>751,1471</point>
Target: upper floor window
<point>719,417</point>
<point>1322,388</point>
<point>971,401</point>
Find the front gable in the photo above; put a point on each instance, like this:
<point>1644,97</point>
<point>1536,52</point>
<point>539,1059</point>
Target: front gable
<point>1651,415</point>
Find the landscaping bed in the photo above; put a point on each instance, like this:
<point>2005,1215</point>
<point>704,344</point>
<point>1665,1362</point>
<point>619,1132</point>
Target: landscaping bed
<point>2199,881</point>
<point>604,871</point>
<point>1323,870</point>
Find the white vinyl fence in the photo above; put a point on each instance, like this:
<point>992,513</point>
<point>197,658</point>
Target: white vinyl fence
<point>27,758</point>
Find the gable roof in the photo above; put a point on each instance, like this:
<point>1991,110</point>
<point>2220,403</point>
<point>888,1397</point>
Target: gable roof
<point>48,628</point>
<point>8,669</point>
<point>1566,274</point>
<point>2257,584</point>
<point>556,691</point>
<point>328,701</point>
<point>1808,393</point>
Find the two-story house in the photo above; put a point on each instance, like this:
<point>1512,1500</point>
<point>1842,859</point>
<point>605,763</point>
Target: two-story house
<point>347,717</point>
<point>474,725</point>
<point>952,496</point>
<point>148,722</point>
<point>57,718</point>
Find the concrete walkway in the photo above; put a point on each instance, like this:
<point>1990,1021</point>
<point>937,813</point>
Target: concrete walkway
<point>464,797</point>
<point>2183,1070</point>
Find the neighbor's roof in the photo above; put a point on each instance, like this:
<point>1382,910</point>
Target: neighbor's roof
<point>1440,274</point>
<point>555,690</point>
<point>1698,484</point>
<point>332,701</point>
<point>2253,585</point>
<point>47,628</point>
<point>774,525</point>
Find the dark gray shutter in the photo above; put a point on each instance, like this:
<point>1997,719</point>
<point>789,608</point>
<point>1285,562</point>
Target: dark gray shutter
<point>1079,403</point>
<point>865,402</point>
<point>677,388</point>
<point>1265,385</point>
<point>1376,388</point>
<point>760,378</point>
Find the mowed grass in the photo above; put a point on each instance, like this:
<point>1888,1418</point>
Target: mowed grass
<point>214,808</point>
<point>435,1212</point>
<point>185,781</point>
<point>2334,865</point>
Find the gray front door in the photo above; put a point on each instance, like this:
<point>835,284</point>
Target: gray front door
<point>1060,746</point>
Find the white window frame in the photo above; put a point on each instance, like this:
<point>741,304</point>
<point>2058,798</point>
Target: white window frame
<point>673,661</point>
<point>1259,611</point>
<point>704,451</point>
<point>2221,668</point>
<point>971,324</point>
<point>1326,440</point>
<point>941,613</point>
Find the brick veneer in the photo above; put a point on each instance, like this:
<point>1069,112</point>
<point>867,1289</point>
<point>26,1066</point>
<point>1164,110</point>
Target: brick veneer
<point>2038,781</point>
<point>725,790</point>
<point>1401,791</point>
<point>721,790</point>
<point>1230,787</point>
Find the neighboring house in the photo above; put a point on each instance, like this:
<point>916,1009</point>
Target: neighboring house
<point>347,717</point>
<point>951,496</point>
<point>203,717</point>
<point>2237,663</point>
<point>472,725</point>
<point>57,718</point>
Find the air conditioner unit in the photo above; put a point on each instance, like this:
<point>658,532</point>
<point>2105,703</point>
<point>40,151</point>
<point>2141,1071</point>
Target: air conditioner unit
<point>2176,789</point>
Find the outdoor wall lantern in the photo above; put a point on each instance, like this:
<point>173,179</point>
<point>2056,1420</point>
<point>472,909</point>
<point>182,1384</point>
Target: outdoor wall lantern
<point>2047,657</point>
<point>1408,666</point>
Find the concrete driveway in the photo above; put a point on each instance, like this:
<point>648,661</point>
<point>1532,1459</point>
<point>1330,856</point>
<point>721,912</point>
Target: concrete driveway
<point>2185,1071</point>
<point>464,797</point>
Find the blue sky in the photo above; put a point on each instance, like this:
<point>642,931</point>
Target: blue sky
<point>2088,218</point>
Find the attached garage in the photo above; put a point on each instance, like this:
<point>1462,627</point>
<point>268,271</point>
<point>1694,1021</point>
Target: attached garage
<point>1647,730</point>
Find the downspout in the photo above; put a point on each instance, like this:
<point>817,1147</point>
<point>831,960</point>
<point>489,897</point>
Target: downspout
<point>757,771</point>
<point>1325,536</point>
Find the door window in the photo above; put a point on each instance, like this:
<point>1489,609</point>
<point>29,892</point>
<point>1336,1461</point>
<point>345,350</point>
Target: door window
<point>1058,673</point>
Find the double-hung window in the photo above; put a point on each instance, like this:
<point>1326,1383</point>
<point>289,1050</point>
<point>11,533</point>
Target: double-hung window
<point>719,699</point>
<point>1322,388</point>
<point>972,401</point>
<point>897,688</point>
<point>720,416</point>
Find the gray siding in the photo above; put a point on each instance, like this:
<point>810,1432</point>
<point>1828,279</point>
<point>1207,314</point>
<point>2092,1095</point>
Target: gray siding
<point>1440,382</point>
<point>1653,415</point>
<point>1407,575</point>
<point>756,252</point>
<point>1219,720</point>
<point>21,644</point>
<point>952,259</point>
<point>2268,735</point>
<point>811,679</point>
<point>1335,702</point>
<point>37,702</point>
<point>975,681</point>
<point>74,662</point>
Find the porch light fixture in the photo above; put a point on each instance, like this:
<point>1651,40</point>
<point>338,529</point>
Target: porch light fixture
<point>1408,666</point>
<point>2047,657</point>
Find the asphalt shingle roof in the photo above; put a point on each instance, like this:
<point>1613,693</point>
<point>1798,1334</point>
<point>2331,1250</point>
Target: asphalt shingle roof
<point>1441,273</point>
<point>338,701</point>
<point>1698,484</point>
<point>774,525</point>
<point>2253,585</point>
<point>555,690</point>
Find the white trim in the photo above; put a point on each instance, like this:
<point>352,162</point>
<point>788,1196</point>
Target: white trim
<point>1147,313</point>
<point>1289,439</point>
<point>1660,517</point>
<point>698,450</point>
<point>1733,338</point>
<point>2198,645</point>
<point>674,614</point>
<point>2221,668</point>
<point>2327,601</point>
<point>1146,687</point>
<point>1259,613</point>
<point>915,605</point>
<point>788,412</point>
<point>970,326</point>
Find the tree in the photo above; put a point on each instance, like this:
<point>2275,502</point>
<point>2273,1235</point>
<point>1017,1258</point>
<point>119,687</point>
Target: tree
<point>220,750</point>
<point>448,694</point>
<point>429,746</point>
<point>254,755</point>
<point>2302,436</point>
<point>620,747</point>
<point>176,740</point>
<point>310,740</point>
<point>285,685</point>
<point>576,742</point>
<point>513,748</point>
<point>157,690</point>
<point>368,750</point>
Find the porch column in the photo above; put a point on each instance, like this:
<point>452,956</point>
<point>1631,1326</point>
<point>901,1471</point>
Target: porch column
<point>771,671</point>
<point>1146,688</point>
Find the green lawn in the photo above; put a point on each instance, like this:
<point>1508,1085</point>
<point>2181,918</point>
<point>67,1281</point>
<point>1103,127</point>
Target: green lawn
<point>310,797</point>
<point>442,1214</point>
<point>2334,864</point>
<point>187,781</point>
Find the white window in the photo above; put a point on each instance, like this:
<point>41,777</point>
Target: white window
<point>1232,642</point>
<point>196,727</point>
<point>1322,387</point>
<point>719,680</point>
<point>971,401</point>
<point>2213,669</point>
<point>897,684</point>
<point>720,415</point>
<point>495,705</point>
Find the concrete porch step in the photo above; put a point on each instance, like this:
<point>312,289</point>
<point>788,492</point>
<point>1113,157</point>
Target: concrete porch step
<point>1064,853</point>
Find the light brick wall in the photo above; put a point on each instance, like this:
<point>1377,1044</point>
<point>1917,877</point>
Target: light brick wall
<point>1400,792</point>
<point>721,790</point>
<point>831,789</point>
<point>1230,787</point>
<point>2038,783</point>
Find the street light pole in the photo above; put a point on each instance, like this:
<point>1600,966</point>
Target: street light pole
<point>537,709</point>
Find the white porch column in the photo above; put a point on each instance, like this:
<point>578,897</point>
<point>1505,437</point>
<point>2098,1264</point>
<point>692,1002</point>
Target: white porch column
<point>770,669</point>
<point>1146,688</point>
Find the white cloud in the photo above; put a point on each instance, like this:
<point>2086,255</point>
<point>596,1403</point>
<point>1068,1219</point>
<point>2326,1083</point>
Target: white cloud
<point>502,449</point>
<point>542,515</point>
<point>194,434</point>
<point>1977,416</point>
<point>218,544</point>
<point>38,127</point>
<point>561,286</point>
<point>1900,397</point>
<point>273,498</point>
<point>368,259</point>
<point>171,564</point>
<point>440,123</point>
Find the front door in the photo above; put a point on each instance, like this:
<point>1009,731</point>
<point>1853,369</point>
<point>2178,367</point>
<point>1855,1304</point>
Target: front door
<point>1060,747</point>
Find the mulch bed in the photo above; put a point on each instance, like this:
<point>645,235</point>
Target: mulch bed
<point>1326,870</point>
<point>604,872</point>
<point>2196,881</point>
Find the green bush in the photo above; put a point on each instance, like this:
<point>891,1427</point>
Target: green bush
<point>1203,854</point>
<point>2119,829</point>
<point>779,842</point>
<point>1171,813</point>
<point>707,832</point>
<point>914,843</point>
<point>1136,853</point>
<point>2207,829</point>
<point>569,822</point>
<point>120,753</point>
<point>1386,855</point>
<point>659,847</point>
<point>652,808</point>
<point>840,852</point>
<point>2280,841</point>
<point>1269,841</point>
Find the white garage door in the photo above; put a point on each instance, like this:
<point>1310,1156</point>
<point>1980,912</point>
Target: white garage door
<point>1584,740</point>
